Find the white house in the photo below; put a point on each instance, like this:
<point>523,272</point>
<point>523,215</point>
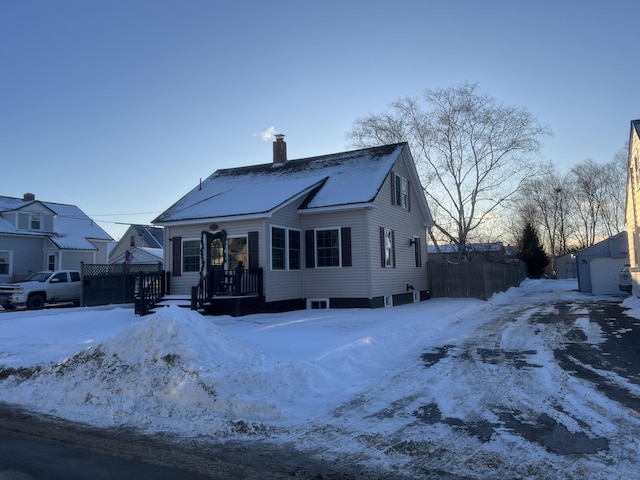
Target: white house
<point>340,230</point>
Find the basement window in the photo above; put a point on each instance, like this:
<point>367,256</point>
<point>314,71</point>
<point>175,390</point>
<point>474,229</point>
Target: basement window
<point>317,303</point>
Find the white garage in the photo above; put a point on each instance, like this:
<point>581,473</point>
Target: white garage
<point>599,265</point>
<point>605,275</point>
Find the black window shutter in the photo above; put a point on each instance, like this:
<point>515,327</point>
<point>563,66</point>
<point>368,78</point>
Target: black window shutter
<point>254,254</point>
<point>177,256</point>
<point>309,249</point>
<point>393,247</point>
<point>382,262</point>
<point>408,195</point>
<point>345,236</point>
<point>393,188</point>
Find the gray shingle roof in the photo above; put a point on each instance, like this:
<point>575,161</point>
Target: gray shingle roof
<point>339,179</point>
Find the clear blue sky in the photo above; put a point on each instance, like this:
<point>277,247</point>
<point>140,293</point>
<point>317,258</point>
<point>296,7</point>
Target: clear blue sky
<point>121,106</point>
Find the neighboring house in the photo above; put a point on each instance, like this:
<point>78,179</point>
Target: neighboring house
<point>144,244</point>
<point>139,256</point>
<point>632,210</point>
<point>37,235</point>
<point>340,230</point>
<point>599,265</point>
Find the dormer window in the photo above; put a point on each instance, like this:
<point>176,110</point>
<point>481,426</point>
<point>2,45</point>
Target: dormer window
<point>36,221</point>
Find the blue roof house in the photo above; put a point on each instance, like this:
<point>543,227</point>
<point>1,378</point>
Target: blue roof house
<point>37,235</point>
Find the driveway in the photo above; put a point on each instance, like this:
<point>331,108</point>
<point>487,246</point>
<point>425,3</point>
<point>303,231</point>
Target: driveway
<point>505,401</point>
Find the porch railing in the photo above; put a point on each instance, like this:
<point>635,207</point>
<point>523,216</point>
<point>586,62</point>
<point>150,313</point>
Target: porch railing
<point>150,287</point>
<point>220,283</point>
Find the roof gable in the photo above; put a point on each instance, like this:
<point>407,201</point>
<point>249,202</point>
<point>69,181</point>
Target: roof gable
<point>636,126</point>
<point>72,228</point>
<point>333,180</point>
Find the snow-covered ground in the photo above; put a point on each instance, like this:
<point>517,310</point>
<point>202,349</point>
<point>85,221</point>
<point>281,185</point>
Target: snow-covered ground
<point>379,385</point>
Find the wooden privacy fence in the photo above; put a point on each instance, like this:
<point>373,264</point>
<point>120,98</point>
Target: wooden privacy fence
<point>474,280</point>
<point>104,284</point>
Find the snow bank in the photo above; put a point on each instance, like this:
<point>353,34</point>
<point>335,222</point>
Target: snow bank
<point>632,303</point>
<point>175,365</point>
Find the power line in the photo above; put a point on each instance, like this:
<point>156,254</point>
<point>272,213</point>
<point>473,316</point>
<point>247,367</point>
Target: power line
<point>123,214</point>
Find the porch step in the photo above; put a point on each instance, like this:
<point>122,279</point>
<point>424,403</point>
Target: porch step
<point>179,300</point>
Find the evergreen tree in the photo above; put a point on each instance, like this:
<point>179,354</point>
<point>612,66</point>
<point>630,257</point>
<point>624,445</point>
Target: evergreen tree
<point>532,253</point>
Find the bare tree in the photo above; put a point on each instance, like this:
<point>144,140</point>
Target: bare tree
<point>615,186</point>
<point>471,152</point>
<point>590,199</point>
<point>544,202</point>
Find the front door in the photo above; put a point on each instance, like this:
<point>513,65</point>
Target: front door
<point>215,249</point>
<point>215,254</point>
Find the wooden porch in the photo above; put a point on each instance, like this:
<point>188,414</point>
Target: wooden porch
<point>220,292</point>
<point>234,292</point>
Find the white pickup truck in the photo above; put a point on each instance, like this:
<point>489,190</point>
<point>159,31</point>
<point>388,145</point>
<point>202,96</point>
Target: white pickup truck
<point>41,288</point>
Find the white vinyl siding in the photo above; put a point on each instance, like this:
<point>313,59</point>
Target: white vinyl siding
<point>343,282</point>
<point>282,284</point>
<point>405,224</point>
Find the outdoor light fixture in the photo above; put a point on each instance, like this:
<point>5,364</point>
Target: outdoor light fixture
<point>412,242</point>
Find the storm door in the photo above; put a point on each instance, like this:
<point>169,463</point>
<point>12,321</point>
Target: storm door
<point>215,249</point>
<point>214,260</point>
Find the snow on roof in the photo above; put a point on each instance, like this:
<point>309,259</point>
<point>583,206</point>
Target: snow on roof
<point>636,125</point>
<point>343,179</point>
<point>151,235</point>
<point>72,227</point>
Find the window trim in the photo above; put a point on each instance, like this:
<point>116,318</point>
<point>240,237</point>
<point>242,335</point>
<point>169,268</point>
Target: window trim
<point>283,248</point>
<point>286,249</point>
<point>9,262</point>
<point>315,248</point>
<point>289,249</point>
<point>183,256</point>
<point>401,191</point>
<point>318,304</point>
<point>36,217</point>
<point>387,261</point>
<point>51,261</point>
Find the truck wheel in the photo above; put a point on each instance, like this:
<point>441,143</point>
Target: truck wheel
<point>35,301</point>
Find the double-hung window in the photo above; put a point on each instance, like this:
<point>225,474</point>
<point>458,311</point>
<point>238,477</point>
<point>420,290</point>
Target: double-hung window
<point>328,248</point>
<point>400,191</point>
<point>191,256</point>
<point>285,249</point>
<point>4,263</point>
<point>294,249</point>
<point>387,247</point>
<point>36,221</point>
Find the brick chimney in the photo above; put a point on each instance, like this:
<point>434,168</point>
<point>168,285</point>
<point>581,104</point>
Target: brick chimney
<point>28,197</point>
<point>279,150</point>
